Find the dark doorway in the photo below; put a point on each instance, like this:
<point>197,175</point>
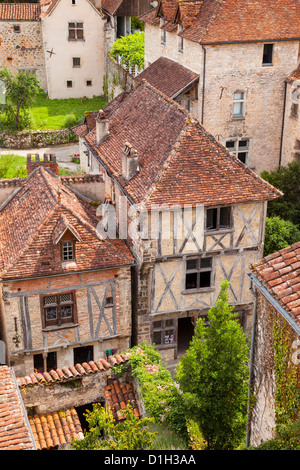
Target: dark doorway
<point>83,354</point>
<point>185,334</point>
<point>81,411</point>
<point>39,363</point>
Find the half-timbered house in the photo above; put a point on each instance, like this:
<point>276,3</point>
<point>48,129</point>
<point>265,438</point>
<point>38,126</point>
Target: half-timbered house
<point>192,213</point>
<point>66,293</point>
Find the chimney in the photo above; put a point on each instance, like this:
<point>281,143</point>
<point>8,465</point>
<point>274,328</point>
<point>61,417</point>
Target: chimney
<point>48,161</point>
<point>101,127</point>
<point>130,161</point>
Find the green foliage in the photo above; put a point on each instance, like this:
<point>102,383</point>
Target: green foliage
<point>213,375</point>
<point>12,166</point>
<point>162,399</point>
<point>21,90</point>
<point>130,49</point>
<point>105,434</point>
<point>287,179</point>
<point>279,234</point>
<point>166,439</point>
<point>288,439</point>
<point>136,24</point>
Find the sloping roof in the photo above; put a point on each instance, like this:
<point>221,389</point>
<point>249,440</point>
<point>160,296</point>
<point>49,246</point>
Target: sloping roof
<point>28,220</point>
<point>14,428</point>
<point>294,76</point>
<point>111,5</point>
<point>118,395</point>
<point>178,160</point>
<point>20,11</point>
<point>279,273</point>
<point>229,21</point>
<point>168,76</point>
<point>54,429</point>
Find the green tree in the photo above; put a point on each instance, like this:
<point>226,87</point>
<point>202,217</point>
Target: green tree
<point>130,49</point>
<point>213,375</point>
<point>21,89</point>
<point>105,434</point>
<point>279,234</point>
<point>287,179</point>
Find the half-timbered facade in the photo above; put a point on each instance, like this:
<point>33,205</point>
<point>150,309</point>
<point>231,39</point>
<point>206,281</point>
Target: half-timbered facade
<point>66,293</point>
<point>192,213</point>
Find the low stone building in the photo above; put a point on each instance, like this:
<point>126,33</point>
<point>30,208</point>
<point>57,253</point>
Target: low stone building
<point>276,284</point>
<point>65,292</point>
<point>242,51</point>
<point>192,214</point>
<point>21,39</point>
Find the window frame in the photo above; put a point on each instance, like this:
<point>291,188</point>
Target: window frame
<point>267,64</point>
<point>67,83</point>
<point>236,149</point>
<point>198,270</point>
<point>65,242</point>
<point>74,59</point>
<point>17,28</point>
<point>59,322</point>
<point>163,33</point>
<point>162,329</point>
<point>76,29</point>
<point>241,102</point>
<point>180,39</point>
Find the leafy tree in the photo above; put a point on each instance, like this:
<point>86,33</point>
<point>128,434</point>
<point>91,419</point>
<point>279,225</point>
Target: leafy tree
<point>105,434</point>
<point>21,90</point>
<point>287,179</point>
<point>213,376</point>
<point>130,50</point>
<point>279,234</point>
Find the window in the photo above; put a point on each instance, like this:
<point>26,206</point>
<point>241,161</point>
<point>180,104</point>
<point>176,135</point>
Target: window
<point>73,2</point>
<point>238,104</point>
<point>75,31</point>
<point>89,83</point>
<point>42,364</point>
<point>268,54</point>
<point>58,309</point>
<point>69,84</point>
<point>83,354</point>
<point>163,332</point>
<point>109,301</point>
<point>17,28</point>
<point>198,273</point>
<point>9,59</point>
<point>68,251</point>
<point>76,62</point>
<point>240,148</point>
<point>218,218</point>
<point>180,39</point>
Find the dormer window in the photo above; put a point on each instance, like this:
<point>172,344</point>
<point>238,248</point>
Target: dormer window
<point>68,251</point>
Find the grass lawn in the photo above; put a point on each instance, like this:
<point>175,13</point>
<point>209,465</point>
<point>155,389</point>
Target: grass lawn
<point>166,439</point>
<point>14,166</point>
<point>57,114</point>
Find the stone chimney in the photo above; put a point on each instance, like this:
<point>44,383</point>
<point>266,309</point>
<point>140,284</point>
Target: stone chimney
<point>130,161</point>
<point>101,127</point>
<point>48,161</point>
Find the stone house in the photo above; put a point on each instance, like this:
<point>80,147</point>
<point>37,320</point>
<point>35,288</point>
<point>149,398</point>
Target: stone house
<point>21,40</point>
<point>242,65</point>
<point>191,212</point>
<point>65,292</point>
<point>276,284</point>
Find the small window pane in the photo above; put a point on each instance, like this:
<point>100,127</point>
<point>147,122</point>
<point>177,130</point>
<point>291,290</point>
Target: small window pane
<point>211,219</point>
<point>191,264</point>
<point>157,337</point>
<point>243,144</point>
<point>242,156</point>
<point>205,279</point>
<point>230,144</point>
<point>238,109</point>
<point>238,96</point>
<point>157,324</point>
<point>50,299</point>
<point>224,217</point>
<point>51,313</point>
<point>169,323</point>
<point>206,262</point>
<point>191,281</point>
<point>66,311</point>
<point>66,298</point>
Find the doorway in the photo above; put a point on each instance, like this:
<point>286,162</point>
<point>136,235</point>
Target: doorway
<point>184,335</point>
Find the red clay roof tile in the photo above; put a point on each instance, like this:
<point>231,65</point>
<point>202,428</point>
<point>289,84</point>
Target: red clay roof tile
<point>20,11</point>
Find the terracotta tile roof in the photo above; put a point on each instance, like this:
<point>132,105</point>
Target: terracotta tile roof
<point>111,5</point>
<point>14,428</point>
<point>229,21</point>
<point>28,220</point>
<point>279,273</point>
<point>178,160</point>
<point>51,430</point>
<point>20,11</point>
<point>72,372</point>
<point>118,395</point>
<point>294,76</point>
<point>168,76</point>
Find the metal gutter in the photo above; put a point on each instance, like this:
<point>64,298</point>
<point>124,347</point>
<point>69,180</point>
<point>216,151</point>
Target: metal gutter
<point>283,122</point>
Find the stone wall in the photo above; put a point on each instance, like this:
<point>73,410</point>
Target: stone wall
<point>36,139</point>
<point>23,50</point>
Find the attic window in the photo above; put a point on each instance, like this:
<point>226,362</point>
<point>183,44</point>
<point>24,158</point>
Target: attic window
<point>218,218</point>
<point>68,251</point>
